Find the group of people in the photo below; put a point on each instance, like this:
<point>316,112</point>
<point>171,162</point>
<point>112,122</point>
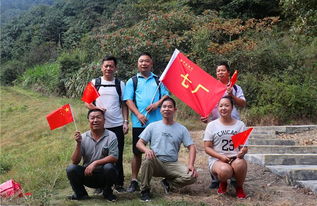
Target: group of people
<point>152,115</point>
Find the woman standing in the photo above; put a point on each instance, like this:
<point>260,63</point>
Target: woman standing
<point>225,161</point>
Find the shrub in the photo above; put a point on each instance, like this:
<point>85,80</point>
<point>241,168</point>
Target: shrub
<point>10,72</point>
<point>42,78</point>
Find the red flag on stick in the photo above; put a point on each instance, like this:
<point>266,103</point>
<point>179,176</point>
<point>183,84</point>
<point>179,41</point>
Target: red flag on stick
<point>191,84</point>
<point>234,78</point>
<point>90,93</point>
<point>60,117</point>
<point>241,138</point>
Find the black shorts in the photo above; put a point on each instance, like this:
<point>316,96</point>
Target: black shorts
<point>135,136</point>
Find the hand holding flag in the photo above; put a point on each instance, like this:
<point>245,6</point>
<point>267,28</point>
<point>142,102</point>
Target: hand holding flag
<point>90,93</point>
<point>241,138</point>
<point>60,117</point>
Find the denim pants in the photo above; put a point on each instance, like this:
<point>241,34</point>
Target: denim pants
<point>103,177</point>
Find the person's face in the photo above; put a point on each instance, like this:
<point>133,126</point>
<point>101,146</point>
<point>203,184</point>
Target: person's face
<point>225,107</point>
<point>145,64</point>
<point>168,109</point>
<point>96,120</point>
<point>108,68</point>
<point>222,74</point>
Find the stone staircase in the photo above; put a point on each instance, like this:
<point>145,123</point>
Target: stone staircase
<point>298,164</point>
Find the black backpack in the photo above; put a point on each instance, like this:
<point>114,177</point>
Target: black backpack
<point>135,84</point>
<point>116,84</point>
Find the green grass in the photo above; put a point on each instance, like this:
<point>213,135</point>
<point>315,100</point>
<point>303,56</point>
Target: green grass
<point>36,157</point>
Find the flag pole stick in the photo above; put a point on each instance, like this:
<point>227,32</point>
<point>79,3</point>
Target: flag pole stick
<point>73,117</point>
<point>157,88</point>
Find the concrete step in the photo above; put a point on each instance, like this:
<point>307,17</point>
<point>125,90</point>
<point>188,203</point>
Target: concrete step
<point>263,136</point>
<point>311,184</point>
<point>283,159</point>
<point>253,141</point>
<point>282,129</point>
<point>295,172</point>
<point>281,149</point>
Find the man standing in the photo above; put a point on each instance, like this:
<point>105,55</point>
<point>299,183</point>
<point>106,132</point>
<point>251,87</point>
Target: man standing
<point>143,99</point>
<point>236,93</point>
<point>165,138</point>
<point>99,150</point>
<point>116,111</point>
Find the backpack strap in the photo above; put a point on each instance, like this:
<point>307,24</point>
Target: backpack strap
<point>135,84</point>
<point>235,88</point>
<point>117,85</point>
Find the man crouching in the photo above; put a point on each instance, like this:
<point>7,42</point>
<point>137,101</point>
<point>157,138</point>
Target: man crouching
<point>99,150</point>
<point>165,138</point>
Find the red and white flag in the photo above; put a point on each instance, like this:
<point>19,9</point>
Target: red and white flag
<point>241,138</point>
<point>90,93</point>
<point>191,84</point>
<point>60,117</point>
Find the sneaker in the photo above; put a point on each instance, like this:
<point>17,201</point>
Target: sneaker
<point>119,188</point>
<point>145,196</point>
<point>75,197</point>
<point>214,184</point>
<point>222,188</point>
<point>165,186</point>
<point>240,193</point>
<point>134,186</point>
<point>98,191</point>
<point>108,194</point>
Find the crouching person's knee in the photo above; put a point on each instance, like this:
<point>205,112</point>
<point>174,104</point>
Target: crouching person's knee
<point>110,170</point>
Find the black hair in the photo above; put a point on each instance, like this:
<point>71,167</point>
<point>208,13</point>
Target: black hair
<point>171,100</point>
<point>145,54</point>
<point>110,58</point>
<point>95,110</point>
<point>224,63</point>
<point>230,99</point>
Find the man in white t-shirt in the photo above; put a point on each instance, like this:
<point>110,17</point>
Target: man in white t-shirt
<point>116,111</point>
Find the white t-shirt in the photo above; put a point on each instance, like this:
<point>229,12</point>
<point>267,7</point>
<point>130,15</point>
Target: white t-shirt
<point>235,113</point>
<point>220,135</point>
<point>109,100</point>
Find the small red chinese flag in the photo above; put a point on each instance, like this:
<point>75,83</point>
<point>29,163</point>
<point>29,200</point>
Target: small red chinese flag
<point>191,84</point>
<point>60,117</point>
<point>90,93</point>
<point>234,78</point>
<point>241,138</point>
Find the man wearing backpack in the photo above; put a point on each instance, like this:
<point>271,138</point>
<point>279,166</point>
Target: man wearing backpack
<point>223,75</point>
<point>143,95</point>
<point>116,111</point>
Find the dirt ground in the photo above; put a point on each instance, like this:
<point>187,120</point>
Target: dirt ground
<point>262,187</point>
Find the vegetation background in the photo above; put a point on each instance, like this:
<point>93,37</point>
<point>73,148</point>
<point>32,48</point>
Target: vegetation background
<point>54,48</point>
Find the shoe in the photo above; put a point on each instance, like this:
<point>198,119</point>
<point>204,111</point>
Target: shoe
<point>134,186</point>
<point>145,196</point>
<point>119,189</point>
<point>240,193</point>
<point>108,194</point>
<point>75,197</point>
<point>214,184</point>
<point>222,188</point>
<point>165,186</point>
<point>98,191</point>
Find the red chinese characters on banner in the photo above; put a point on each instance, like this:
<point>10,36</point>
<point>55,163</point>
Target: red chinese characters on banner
<point>60,117</point>
<point>192,85</point>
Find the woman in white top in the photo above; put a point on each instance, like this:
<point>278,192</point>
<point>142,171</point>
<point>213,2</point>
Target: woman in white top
<point>225,161</point>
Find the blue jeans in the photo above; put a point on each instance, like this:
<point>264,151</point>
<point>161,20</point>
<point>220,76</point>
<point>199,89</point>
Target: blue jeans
<point>103,177</point>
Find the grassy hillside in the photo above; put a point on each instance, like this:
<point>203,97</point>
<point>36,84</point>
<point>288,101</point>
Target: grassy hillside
<point>36,157</point>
